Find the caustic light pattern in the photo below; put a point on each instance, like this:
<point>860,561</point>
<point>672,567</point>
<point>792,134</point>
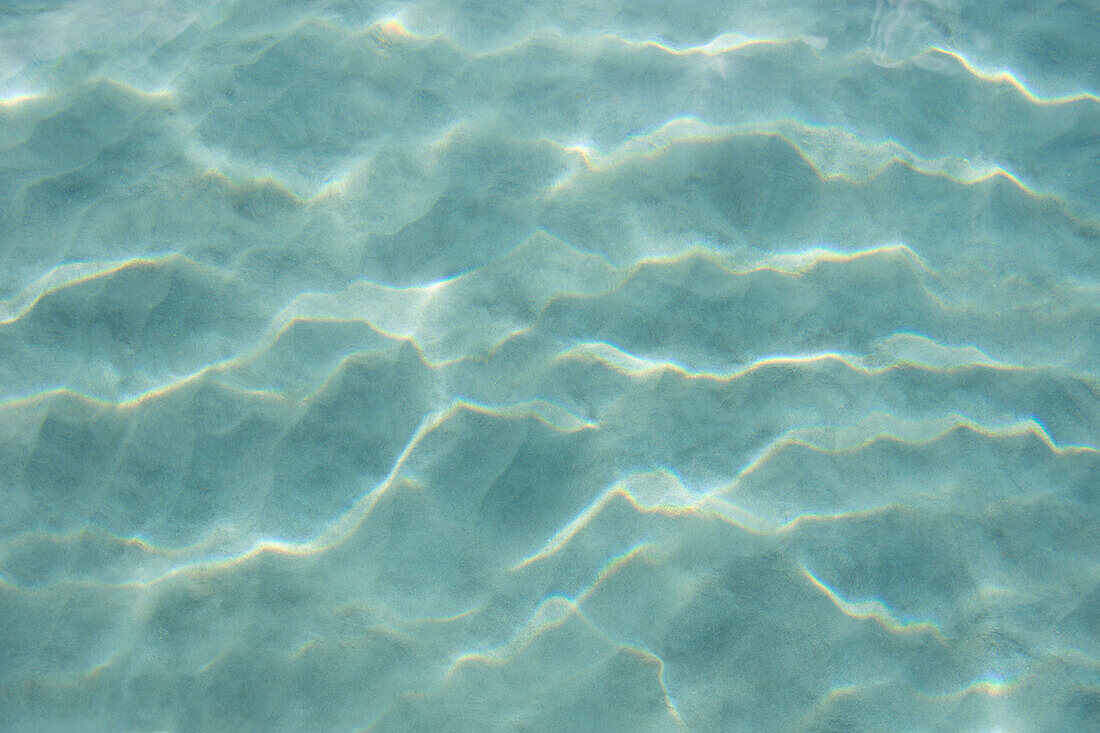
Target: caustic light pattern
<point>578,366</point>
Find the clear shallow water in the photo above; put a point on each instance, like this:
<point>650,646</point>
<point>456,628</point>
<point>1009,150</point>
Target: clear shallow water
<point>587,366</point>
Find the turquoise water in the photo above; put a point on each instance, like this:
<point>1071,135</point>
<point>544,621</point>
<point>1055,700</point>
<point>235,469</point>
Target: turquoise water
<point>580,366</point>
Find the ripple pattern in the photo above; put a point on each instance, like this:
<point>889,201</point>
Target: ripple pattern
<point>372,366</point>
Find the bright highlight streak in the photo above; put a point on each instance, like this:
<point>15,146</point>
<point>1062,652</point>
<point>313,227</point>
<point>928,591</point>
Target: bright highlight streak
<point>873,610</point>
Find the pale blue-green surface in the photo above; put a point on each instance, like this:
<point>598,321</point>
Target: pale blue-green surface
<point>575,366</point>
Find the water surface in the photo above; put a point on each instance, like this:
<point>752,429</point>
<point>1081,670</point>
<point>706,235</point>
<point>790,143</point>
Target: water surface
<point>582,366</point>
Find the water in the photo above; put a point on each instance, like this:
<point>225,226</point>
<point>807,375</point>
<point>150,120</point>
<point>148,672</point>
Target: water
<point>576,366</point>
